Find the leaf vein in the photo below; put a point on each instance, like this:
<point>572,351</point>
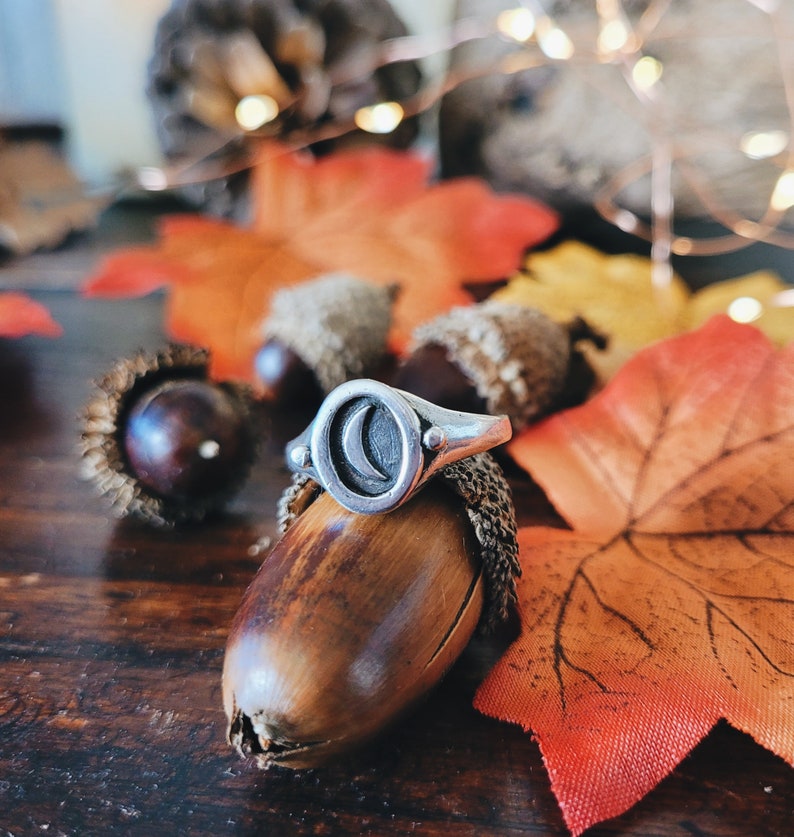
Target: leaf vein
<point>705,595</point>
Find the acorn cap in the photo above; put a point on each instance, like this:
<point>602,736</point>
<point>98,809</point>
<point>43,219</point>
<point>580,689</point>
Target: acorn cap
<point>516,357</point>
<point>337,324</point>
<point>481,485</point>
<point>103,418</point>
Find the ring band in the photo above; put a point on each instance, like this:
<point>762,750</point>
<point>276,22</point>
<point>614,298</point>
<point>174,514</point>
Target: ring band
<point>371,446</point>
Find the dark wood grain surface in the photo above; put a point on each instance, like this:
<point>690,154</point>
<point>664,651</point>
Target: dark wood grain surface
<point>111,647</point>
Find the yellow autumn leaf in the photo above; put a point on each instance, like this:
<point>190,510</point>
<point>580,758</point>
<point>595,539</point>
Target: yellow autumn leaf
<point>617,296</point>
<point>613,293</point>
<point>760,298</point>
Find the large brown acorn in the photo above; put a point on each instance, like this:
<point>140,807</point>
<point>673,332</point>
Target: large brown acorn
<point>352,618</point>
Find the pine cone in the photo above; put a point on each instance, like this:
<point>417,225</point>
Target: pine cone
<point>312,57</point>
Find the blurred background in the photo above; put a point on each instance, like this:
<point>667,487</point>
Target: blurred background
<point>568,126</point>
<point>82,65</point>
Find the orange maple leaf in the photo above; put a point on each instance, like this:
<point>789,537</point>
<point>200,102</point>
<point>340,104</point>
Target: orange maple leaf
<point>21,315</point>
<point>369,212</point>
<point>671,603</point>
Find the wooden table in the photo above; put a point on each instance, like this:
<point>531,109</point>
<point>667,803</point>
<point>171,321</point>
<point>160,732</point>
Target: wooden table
<point>111,647</point>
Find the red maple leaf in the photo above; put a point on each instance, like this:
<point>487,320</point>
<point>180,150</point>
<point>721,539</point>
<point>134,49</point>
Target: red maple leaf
<point>369,212</point>
<point>671,603</point>
<point>21,315</point>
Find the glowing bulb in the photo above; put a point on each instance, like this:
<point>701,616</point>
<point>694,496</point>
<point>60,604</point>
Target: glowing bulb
<point>758,145</point>
<point>625,220</point>
<point>646,72</point>
<point>783,196</point>
<point>768,6</point>
<point>518,24</point>
<point>152,179</point>
<point>745,309</point>
<point>553,41</point>
<point>784,299</point>
<point>253,112</point>
<point>613,36</point>
<point>382,118</point>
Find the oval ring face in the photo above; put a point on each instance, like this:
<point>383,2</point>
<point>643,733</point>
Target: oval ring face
<point>366,447</point>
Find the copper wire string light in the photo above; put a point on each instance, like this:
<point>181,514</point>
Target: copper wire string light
<point>542,40</point>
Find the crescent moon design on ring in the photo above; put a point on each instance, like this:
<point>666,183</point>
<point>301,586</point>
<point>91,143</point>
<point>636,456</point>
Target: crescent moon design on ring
<point>372,462</point>
<point>353,445</point>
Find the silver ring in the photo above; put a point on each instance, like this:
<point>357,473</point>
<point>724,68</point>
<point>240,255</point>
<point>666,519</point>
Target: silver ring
<point>371,446</point>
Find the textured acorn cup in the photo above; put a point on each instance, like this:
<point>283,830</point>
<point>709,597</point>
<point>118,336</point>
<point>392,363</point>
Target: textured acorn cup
<point>321,334</point>
<point>499,358</point>
<point>163,442</point>
<point>352,618</point>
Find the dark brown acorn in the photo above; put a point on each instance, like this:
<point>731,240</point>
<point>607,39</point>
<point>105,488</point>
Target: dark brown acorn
<point>184,438</point>
<point>320,334</point>
<point>284,376</point>
<point>499,358</point>
<point>352,618</point>
<point>432,374</point>
<point>165,443</point>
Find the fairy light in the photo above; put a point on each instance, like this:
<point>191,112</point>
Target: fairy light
<point>760,145</point>
<point>783,299</point>
<point>554,43</point>
<point>381,118</point>
<point>254,111</point>
<point>152,179</point>
<point>783,194</point>
<point>613,37</point>
<point>646,72</point>
<point>518,24</point>
<point>745,309</point>
<point>643,78</point>
<point>768,6</point>
<point>625,221</point>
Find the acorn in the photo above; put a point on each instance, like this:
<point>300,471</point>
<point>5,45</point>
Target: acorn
<point>164,443</point>
<point>320,334</point>
<point>353,618</point>
<point>500,358</point>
